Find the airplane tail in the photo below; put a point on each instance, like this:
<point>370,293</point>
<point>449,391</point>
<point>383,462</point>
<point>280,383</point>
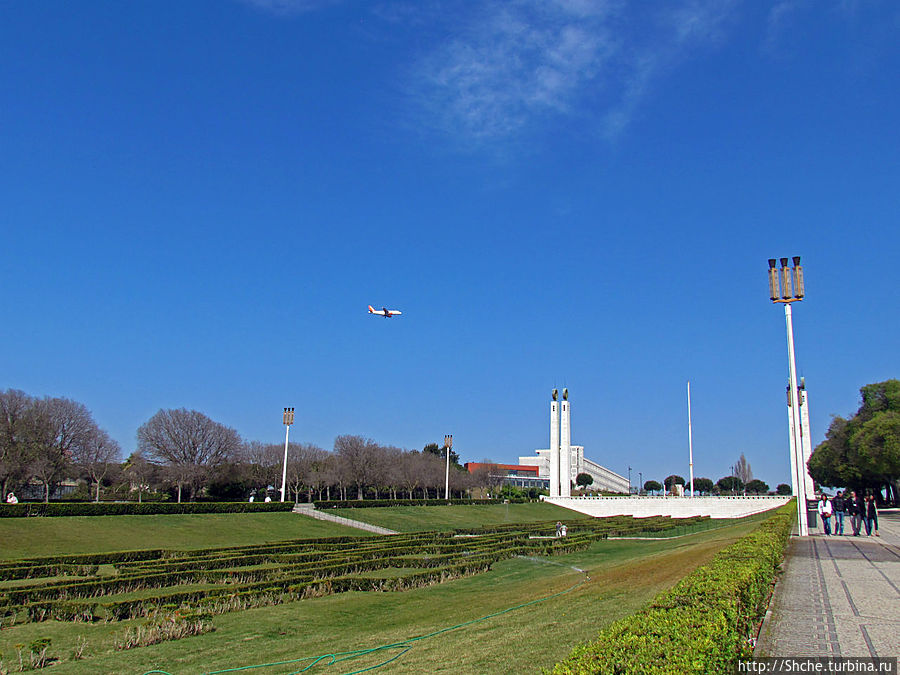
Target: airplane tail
<point>371,309</point>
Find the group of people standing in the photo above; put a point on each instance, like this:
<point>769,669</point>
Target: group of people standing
<point>861,510</point>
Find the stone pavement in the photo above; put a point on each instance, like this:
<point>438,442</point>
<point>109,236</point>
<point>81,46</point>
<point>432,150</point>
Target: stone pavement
<point>838,596</point>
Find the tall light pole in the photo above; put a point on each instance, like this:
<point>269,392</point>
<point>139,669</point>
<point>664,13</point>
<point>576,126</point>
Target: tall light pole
<point>786,287</point>
<point>690,441</point>
<point>629,480</point>
<point>448,445</point>
<point>640,482</point>
<point>288,421</point>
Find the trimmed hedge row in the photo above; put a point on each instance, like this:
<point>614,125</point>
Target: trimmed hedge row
<point>702,625</point>
<point>134,509</point>
<point>254,575</point>
<point>433,558</point>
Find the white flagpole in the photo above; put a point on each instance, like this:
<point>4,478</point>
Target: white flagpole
<point>690,440</point>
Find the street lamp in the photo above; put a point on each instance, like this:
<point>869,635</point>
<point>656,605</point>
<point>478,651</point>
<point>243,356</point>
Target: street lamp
<point>640,482</point>
<point>629,480</point>
<point>288,421</point>
<point>448,444</point>
<point>786,287</point>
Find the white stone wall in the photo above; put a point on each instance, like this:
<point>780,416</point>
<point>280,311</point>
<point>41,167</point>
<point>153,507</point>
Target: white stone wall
<point>676,507</point>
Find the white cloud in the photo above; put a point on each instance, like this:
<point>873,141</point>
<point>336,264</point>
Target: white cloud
<point>515,63</point>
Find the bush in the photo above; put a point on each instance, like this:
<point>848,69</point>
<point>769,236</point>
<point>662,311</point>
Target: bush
<point>135,509</point>
<point>703,624</point>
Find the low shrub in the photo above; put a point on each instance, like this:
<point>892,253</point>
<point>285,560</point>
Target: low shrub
<point>135,509</point>
<point>704,623</point>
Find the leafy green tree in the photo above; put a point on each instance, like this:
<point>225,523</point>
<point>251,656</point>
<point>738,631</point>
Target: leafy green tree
<point>652,486</point>
<point>584,479</point>
<point>730,484</point>
<point>783,489</point>
<point>438,450</point>
<point>757,487</point>
<point>672,481</point>
<point>863,452</point>
<point>703,485</point>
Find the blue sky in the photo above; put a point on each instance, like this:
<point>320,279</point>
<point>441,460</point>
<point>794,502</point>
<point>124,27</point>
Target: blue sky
<point>198,201</point>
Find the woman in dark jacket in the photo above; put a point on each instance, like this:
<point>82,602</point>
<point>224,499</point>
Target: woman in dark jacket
<point>871,516</point>
<point>861,507</point>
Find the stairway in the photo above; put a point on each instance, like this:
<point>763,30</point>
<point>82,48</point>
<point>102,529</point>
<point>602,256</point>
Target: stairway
<point>311,511</point>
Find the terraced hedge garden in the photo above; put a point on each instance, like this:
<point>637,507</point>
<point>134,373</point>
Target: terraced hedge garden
<point>130,584</point>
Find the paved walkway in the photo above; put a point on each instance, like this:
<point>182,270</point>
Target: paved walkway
<point>838,596</point>
<point>310,510</point>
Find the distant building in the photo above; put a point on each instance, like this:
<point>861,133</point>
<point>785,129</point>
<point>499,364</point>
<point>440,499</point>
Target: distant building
<point>512,474</point>
<point>604,479</point>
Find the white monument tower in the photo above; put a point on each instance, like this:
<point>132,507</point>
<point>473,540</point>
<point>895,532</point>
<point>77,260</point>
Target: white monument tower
<point>554,446</point>
<point>805,437</point>
<point>565,447</point>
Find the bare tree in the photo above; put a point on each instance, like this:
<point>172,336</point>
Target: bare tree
<point>14,445</point>
<point>409,468</point>
<point>314,470</point>
<point>742,470</point>
<point>432,473</point>
<point>359,457</point>
<point>95,457</point>
<point>392,457</point>
<point>140,473</point>
<point>264,461</point>
<point>489,477</point>
<point>61,428</point>
<point>303,466</point>
<point>188,443</point>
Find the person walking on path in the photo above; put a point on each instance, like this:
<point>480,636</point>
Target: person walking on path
<point>838,505</point>
<point>825,512</point>
<point>861,509</point>
<point>852,509</point>
<point>871,516</point>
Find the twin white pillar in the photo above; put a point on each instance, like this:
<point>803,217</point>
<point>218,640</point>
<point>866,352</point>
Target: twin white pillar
<point>560,446</point>
<point>799,457</point>
<point>805,439</point>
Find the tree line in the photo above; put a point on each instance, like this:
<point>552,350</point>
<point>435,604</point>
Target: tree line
<point>739,482</point>
<point>862,452</point>
<point>47,440</point>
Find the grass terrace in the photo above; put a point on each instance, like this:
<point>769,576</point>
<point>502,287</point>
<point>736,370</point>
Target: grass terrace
<point>198,609</point>
<point>34,537</point>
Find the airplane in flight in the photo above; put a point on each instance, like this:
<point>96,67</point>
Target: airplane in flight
<point>385,312</point>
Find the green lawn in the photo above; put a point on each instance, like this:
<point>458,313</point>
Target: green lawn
<point>624,575</point>
<point>32,537</point>
<point>422,518</point>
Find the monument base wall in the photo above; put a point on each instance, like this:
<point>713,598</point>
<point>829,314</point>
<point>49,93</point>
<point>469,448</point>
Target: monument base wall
<point>676,507</point>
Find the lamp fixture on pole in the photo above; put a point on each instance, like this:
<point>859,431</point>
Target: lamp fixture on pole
<point>288,421</point>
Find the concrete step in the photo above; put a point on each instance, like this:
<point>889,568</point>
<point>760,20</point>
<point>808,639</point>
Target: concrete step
<point>311,511</point>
